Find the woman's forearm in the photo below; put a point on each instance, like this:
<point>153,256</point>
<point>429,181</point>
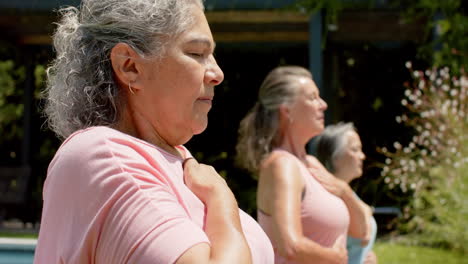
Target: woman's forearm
<point>222,221</point>
<point>305,251</point>
<point>359,217</point>
<point>223,227</point>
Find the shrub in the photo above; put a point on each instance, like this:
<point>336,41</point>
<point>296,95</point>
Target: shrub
<point>431,170</point>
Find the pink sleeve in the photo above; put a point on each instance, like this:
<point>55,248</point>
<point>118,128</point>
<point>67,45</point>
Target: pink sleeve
<point>147,223</point>
<point>106,202</point>
<point>144,229</point>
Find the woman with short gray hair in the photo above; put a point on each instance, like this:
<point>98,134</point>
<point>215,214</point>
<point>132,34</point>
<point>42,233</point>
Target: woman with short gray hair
<point>339,148</point>
<point>132,81</point>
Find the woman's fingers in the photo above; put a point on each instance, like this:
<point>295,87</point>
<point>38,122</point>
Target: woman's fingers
<point>203,180</point>
<point>339,242</point>
<point>340,247</point>
<point>187,160</point>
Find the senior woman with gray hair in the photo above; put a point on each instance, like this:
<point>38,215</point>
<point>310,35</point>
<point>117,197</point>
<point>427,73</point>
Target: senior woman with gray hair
<point>339,148</point>
<point>133,80</point>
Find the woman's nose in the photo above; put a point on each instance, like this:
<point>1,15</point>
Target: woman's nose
<point>324,104</point>
<point>213,75</point>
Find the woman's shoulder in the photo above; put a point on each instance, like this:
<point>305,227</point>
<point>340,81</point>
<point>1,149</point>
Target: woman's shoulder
<point>92,135</point>
<point>104,142</point>
<point>280,165</point>
<point>107,138</point>
<point>279,158</point>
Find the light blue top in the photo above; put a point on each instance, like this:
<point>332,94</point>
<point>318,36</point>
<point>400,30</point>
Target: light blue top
<point>356,253</point>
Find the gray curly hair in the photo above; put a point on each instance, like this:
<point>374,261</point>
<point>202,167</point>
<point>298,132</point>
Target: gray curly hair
<point>81,90</point>
<point>258,131</point>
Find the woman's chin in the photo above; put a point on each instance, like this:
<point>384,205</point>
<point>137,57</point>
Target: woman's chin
<point>199,126</point>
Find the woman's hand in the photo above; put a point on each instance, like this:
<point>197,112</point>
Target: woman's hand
<point>222,225</point>
<point>371,258</point>
<point>358,211</point>
<point>340,250</point>
<point>328,181</point>
<point>204,181</point>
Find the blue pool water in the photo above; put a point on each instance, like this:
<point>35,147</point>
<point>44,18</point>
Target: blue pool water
<point>17,251</point>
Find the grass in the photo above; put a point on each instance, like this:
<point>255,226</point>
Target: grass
<point>11,234</point>
<point>392,253</point>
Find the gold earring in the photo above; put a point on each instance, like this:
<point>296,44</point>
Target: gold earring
<point>130,88</point>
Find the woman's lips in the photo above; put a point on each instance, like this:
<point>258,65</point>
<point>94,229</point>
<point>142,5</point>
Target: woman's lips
<point>206,99</point>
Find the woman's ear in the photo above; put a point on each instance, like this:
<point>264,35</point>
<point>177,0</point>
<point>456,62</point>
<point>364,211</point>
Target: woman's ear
<point>125,64</point>
<point>284,113</point>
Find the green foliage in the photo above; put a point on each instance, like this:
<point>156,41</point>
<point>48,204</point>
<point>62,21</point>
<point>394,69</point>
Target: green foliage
<point>393,253</point>
<point>448,21</point>
<point>11,98</point>
<point>432,169</point>
<point>42,144</point>
<point>441,213</point>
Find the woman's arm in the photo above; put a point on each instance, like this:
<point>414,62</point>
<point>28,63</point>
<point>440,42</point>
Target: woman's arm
<point>279,195</point>
<point>369,212</point>
<point>223,227</point>
<point>359,226</point>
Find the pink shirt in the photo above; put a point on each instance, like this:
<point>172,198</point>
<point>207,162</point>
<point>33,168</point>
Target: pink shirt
<point>324,216</point>
<point>112,198</point>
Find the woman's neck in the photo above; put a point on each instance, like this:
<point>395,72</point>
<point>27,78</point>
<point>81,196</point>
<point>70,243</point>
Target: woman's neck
<point>294,147</point>
<point>343,176</point>
<point>137,126</point>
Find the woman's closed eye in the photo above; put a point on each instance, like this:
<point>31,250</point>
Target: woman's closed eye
<point>196,54</point>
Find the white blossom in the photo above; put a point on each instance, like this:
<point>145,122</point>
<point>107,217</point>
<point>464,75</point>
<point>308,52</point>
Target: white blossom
<point>421,84</point>
<point>425,133</point>
<point>421,162</point>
